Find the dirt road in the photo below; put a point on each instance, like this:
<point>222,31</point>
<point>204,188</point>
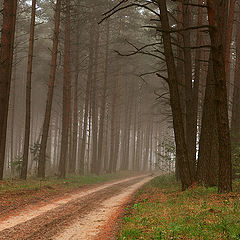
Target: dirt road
<point>84,215</point>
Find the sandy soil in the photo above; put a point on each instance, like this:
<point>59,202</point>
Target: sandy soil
<point>81,215</point>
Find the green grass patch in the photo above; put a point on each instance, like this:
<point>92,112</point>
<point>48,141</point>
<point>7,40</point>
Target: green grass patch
<point>162,211</point>
<point>53,183</point>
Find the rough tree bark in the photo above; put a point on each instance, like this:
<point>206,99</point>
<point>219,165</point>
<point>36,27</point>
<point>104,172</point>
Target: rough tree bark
<point>217,22</point>
<point>6,58</point>
<point>181,148</point>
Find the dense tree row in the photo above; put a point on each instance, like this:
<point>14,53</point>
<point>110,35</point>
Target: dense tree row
<point>76,106</point>
<point>194,40</point>
<point>125,76</point>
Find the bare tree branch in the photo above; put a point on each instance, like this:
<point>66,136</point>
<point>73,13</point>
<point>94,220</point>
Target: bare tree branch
<point>112,12</point>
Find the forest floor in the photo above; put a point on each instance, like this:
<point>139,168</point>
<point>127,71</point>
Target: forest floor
<point>161,210</point>
<point>66,210</point>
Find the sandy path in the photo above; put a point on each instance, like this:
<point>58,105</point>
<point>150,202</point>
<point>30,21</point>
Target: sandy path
<point>87,210</point>
<point>87,228</point>
<point>33,211</point>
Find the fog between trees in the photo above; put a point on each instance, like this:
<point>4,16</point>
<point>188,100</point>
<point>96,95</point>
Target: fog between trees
<point>102,86</point>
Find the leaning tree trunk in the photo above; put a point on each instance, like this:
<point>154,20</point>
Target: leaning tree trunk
<point>51,84</point>
<point>6,58</point>
<point>28,94</point>
<point>66,96</point>
<point>217,21</point>
<point>181,148</point>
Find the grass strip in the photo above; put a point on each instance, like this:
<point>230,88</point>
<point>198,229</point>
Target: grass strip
<point>70,182</point>
<point>162,211</point>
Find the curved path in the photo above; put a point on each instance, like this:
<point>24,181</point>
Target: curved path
<point>82,215</point>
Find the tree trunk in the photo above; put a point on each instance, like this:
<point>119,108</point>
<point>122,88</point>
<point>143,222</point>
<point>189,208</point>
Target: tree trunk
<point>181,148</point>
<point>6,58</point>
<point>207,169</point>
<point>129,118</point>
<point>235,123</point>
<point>126,130</point>
<point>112,164</point>
<point>55,144</point>
<point>147,149</point>
<point>181,76</point>
<point>216,12</point>
<point>139,125</point>
<point>229,31</point>
<point>96,165</point>
<point>105,143</point>
<point>118,120</point>
<point>87,160</point>
<point>66,95</point>
<point>28,94</point>
<point>117,139</point>
<point>86,109</point>
<point>72,161</point>
<point>195,91</point>
<point>48,109</point>
<point>190,123</point>
<point>13,93</point>
<point>103,100</point>
<point>134,138</point>
<point>151,147</point>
